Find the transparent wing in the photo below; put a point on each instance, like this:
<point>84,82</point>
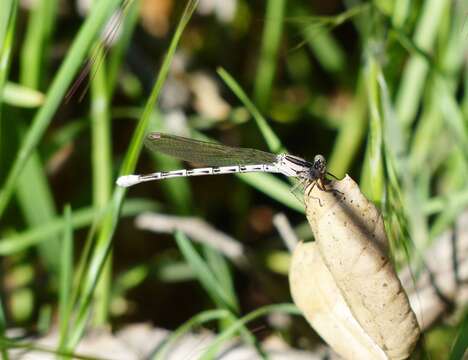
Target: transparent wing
<point>204,152</point>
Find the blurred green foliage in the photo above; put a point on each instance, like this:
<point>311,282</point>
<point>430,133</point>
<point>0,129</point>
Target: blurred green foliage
<point>380,88</point>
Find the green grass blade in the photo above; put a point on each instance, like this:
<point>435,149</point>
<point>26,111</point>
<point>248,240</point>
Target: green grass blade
<point>325,48</point>
<point>452,114</point>
<point>83,217</point>
<point>205,275</point>
<point>129,279</point>
<point>240,323</point>
<point>33,192</point>
<point>57,90</point>
<point>3,350</point>
<point>136,142</point>
<point>440,103</point>
<point>351,133</point>
<point>401,12</point>
<point>443,117</point>
<point>426,132</point>
<point>7,28</point>
<point>130,19</point>
<point>402,203</point>
<point>21,96</point>
<point>274,188</point>
<point>273,142</point>
<point>101,161</point>
<point>460,345</point>
<point>109,223</point>
<point>373,181</point>
<point>465,91</point>
<point>100,134</point>
<point>414,75</point>
<point>321,42</point>
<point>271,38</point>
<point>220,269</point>
<point>66,278</point>
<point>33,350</point>
<point>438,204</point>
<point>37,205</point>
<point>214,276</point>
<point>7,13</point>
<point>453,207</point>
<point>195,321</point>
<point>41,16</point>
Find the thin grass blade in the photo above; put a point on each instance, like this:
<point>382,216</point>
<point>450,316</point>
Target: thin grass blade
<point>351,133</point>
<point>460,346</point>
<point>240,323</point>
<point>3,326</point>
<point>373,181</point>
<point>7,28</point>
<point>328,52</point>
<point>220,269</point>
<point>67,71</point>
<point>37,206</point>
<point>274,188</point>
<point>273,142</point>
<point>205,275</point>
<point>271,38</point>
<point>66,278</point>
<point>7,14</point>
<point>101,160</point>
<point>414,75</point>
<point>13,244</point>
<point>35,197</point>
<point>21,96</point>
<point>34,50</point>
<point>109,223</point>
<point>195,321</point>
<point>117,52</point>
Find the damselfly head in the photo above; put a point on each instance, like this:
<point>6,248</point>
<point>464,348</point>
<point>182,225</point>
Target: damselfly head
<point>319,167</point>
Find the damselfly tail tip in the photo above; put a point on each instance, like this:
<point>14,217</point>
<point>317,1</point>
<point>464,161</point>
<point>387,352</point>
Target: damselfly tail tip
<point>128,180</point>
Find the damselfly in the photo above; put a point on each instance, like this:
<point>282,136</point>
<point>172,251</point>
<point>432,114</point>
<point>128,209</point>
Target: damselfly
<point>223,159</point>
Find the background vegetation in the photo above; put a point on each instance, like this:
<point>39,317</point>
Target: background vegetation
<point>379,88</point>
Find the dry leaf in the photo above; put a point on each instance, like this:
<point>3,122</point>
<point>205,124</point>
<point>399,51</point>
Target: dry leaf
<point>345,283</point>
